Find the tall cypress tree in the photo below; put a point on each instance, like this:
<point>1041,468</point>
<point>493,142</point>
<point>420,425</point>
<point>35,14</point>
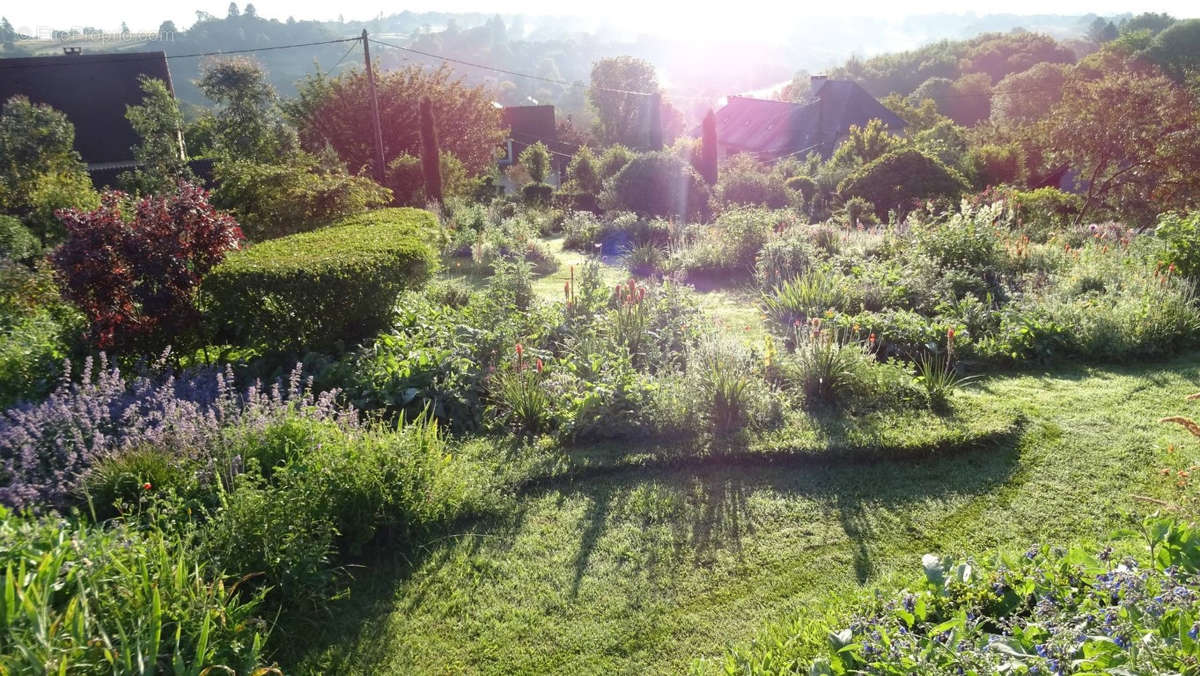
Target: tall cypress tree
<point>430,164</point>
<point>708,148</point>
<point>655,118</point>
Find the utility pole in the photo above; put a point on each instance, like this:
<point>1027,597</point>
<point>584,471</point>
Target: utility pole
<point>380,168</point>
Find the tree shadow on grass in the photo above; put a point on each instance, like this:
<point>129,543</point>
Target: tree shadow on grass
<point>706,512</point>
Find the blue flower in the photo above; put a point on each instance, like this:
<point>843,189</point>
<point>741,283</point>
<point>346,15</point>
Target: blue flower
<point>1194,631</point>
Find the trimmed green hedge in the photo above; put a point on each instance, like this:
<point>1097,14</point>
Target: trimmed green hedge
<point>317,288</point>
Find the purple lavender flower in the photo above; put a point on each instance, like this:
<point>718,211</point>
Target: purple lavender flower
<point>45,447</point>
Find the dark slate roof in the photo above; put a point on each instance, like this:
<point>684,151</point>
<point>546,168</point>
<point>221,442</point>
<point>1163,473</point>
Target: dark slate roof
<point>531,124</point>
<point>92,90</point>
<point>779,128</point>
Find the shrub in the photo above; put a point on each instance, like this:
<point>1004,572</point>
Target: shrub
<point>46,447</point>
<point>858,212</point>
<point>406,180</point>
<point>577,201</point>
<point>731,392</point>
<point>659,184</point>
<point>615,233</point>
<point>537,194</point>
<point>275,200</point>
<point>1044,211</point>
<point>16,241</point>
<point>583,174</point>
<point>318,288</point>
<point>803,185</point>
<point>998,164</point>
<point>729,247</point>
<point>134,275</point>
<point>87,599</point>
<point>900,178</point>
<point>614,160</point>
<point>55,191</point>
<point>38,330</point>
<point>1181,233</point>
<point>783,258</point>
<point>744,181</point>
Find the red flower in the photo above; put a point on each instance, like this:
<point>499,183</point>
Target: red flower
<point>146,486</point>
<point>520,352</point>
<point>539,365</point>
<point>950,334</point>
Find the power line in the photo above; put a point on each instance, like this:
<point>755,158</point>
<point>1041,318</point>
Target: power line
<point>58,61</point>
<point>261,49</point>
<point>505,71</point>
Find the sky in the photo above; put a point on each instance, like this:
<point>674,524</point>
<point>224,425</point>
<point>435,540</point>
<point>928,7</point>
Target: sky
<point>655,17</point>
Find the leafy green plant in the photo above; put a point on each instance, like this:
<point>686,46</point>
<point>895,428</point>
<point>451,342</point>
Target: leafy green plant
<point>1181,233</point>
<point>938,373</point>
<point>827,360</point>
<point>88,599</point>
<point>809,295</point>
<point>520,400</point>
<point>644,260</point>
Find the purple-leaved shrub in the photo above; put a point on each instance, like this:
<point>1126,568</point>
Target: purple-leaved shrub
<point>45,447</point>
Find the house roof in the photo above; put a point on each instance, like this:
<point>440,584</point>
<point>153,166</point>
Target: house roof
<point>530,124</point>
<point>92,90</point>
<point>778,128</point>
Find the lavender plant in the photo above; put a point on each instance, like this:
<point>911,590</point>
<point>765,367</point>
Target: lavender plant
<point>45,447</point>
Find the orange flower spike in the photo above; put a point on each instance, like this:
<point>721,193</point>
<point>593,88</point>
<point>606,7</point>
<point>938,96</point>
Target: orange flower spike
<point>520,352</point>
<point>950,334</point>
<point>539,365</point>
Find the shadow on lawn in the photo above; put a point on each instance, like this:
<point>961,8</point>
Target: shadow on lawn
<point>710,511</point>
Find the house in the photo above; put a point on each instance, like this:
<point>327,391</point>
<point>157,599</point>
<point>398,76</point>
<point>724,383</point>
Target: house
<point>528,125</point>
<point>778,129</point>
<point>93,91</point>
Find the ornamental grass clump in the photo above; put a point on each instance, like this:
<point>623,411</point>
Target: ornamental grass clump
<point>520,400</point>
<point>827,360</point>
<point>938,373</point>
<point>46,447</point>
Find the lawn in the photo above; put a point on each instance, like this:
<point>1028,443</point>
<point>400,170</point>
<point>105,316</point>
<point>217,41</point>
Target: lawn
<point>646,568</point>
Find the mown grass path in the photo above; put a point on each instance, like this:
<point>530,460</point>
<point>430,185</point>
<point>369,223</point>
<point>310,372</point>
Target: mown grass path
<point>643,570</point>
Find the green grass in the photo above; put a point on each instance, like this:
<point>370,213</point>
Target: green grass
<point>633,559</point>
<point>645,569</point>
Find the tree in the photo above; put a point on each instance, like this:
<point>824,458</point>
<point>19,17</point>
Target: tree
<point>248,123</point>
<point>536,160</point>
<point>620,87</point>
<point>333,112</point>
<point>970,99</point>
<point>655,124</point>
<point>582,172</point>
<point>167,28</point>
<point>1022,98</point>
<point>1177,49</point>
<point>430,159</point>
<point>918,114</point>
<point>1132,135</point>
<point>8,36</point>
<point>124,28</point>
<point>251,11</point>
<point>233,10</point>
<point>39,168</point>
<point>660,184</point>
<point>1147,21</point>
<point>708,148</point>
<point>864,144</point>
<point>1101,31</point>
<point>134,275</point>
<point>159,153</point>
